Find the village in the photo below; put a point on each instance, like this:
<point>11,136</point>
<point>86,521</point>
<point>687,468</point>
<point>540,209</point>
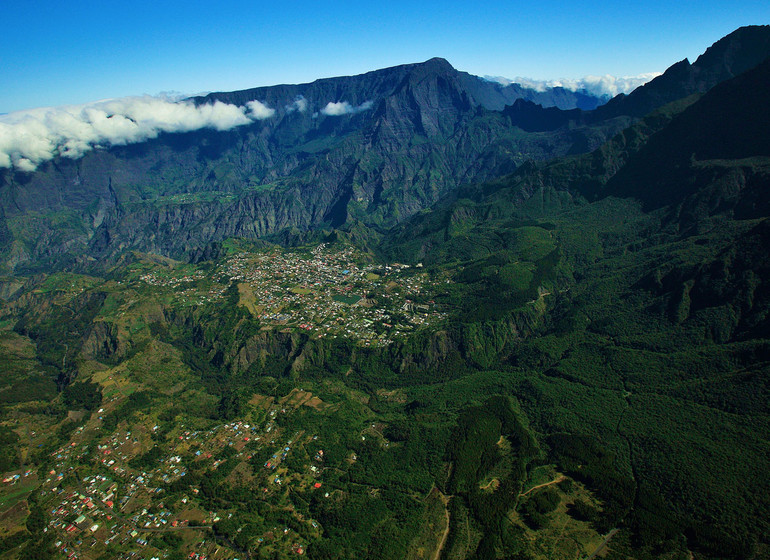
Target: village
<point>324,292</point>
<point>133,487</point>
<point>102,497</point>
<point>332,293</point>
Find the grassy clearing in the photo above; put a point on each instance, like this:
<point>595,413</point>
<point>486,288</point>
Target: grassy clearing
<point>349,300</point>
<point>158,366</point>
<point>17,493</point>
<point>425,545</point>
<point>247,298</point>
<point>563,537</point>
<point>11,519</point>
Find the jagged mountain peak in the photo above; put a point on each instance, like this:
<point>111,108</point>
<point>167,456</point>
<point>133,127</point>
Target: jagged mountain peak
<point>738,50</point>
<point>741,50</point>
<point>376,85</point>
<point>436,65</point>
<point>376,147</point>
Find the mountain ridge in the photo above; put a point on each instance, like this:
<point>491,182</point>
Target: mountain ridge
<point>734,54</point>
<point>571,350</point>
<point>393,143</point>
<point>490,95</point>
<point>385,160</point>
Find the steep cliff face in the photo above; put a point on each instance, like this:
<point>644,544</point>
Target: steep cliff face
<point>375,149</point>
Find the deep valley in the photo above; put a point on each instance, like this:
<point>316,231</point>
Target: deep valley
<point>460,321</point>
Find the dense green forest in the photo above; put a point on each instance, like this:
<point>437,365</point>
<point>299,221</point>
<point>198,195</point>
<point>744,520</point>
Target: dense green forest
<point>581,366</point>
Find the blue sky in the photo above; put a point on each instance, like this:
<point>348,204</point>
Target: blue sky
<point>54,53</point>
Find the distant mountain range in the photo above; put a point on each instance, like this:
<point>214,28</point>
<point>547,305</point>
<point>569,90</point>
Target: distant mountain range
<point>603,87</point>
<point>375,148</point>
<point>597,373</point>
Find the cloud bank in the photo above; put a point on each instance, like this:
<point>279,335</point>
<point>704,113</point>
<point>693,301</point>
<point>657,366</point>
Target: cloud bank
<point>344,108</point>
<point>600,86</point>
<point>28,138</point>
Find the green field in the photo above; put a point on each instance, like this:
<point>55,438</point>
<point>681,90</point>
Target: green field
<point>349,300</point>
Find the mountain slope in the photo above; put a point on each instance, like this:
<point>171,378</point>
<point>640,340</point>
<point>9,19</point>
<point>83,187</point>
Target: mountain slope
<point>697,157</point>
<point>396,141</point>
<point>581,357</point>
<point>732,55</point>
<point>647,257</point>
<point>699,148</point>
<point>375,149</point>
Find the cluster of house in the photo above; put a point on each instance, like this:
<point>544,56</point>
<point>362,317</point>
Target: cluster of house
<point>190,295</point>
<point>324,293</point>
<point>18,477</point>
<point>88,512</point>
<point>167,279</point>
<point>115,503</point>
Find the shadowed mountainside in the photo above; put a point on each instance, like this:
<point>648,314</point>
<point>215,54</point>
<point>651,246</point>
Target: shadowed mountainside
<point>401,138</point>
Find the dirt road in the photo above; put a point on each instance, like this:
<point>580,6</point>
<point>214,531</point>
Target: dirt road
<point>440,549</point>
<point>604,543</point>
<point>554,481</point>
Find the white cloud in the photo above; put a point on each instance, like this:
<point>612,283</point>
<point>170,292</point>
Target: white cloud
<point>344,108</point>
<point>599,86</point>
<point>24,164</point>
<point>28,138</point>
<point>259,111</point>
<point>300,104</point>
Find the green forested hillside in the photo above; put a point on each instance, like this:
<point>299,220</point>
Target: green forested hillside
<point>567,360</point>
